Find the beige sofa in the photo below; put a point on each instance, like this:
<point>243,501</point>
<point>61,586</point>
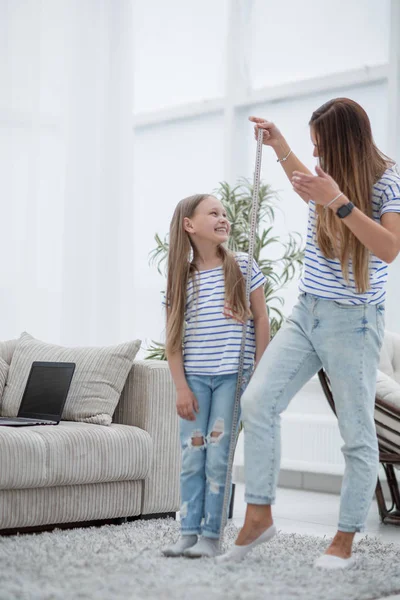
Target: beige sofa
<point>77,472</point>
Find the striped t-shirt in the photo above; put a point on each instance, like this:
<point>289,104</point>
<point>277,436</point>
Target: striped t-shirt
<point>211,340</point>
<point>323,277</point>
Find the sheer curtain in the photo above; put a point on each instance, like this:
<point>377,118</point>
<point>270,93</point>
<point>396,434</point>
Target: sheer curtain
<point>66,158</point>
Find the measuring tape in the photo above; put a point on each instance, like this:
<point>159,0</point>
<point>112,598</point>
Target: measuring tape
<point>236,409</point>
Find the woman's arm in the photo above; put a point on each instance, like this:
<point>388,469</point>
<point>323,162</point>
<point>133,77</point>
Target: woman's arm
<point>273,137</point>
<point>383,239</point>
<point>261,321</point>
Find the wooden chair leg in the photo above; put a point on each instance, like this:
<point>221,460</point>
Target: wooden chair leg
<point>232,502</point>
<point>391,516</point>
<point>383,511</point>
<point>393,485</point>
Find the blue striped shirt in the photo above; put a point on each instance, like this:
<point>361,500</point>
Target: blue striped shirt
<point>211,340</point>
<point>323,277</point>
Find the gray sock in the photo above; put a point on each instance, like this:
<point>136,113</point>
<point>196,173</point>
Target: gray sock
<point>205,547</point>
<point>177,549</point>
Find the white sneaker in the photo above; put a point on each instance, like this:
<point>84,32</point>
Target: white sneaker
<point>177,549</point>
<point>329,561</point>
<point>237,553</point>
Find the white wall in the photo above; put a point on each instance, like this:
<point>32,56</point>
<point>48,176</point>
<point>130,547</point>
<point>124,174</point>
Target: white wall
<point>172,162</point>
<point>179,52</point>
<point>66,167</point>
<point>292,40</point>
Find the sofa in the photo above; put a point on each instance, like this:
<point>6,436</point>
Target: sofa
<point>77,472</point>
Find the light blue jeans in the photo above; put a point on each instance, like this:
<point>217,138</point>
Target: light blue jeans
<point>204,467</point>
<point>346,342</point>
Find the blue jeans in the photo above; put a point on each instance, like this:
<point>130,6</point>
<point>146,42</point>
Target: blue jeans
<point>204,467</point>
<point>346,342</point>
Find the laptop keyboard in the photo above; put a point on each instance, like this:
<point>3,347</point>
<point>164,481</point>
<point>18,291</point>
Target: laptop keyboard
<point>11,421</point>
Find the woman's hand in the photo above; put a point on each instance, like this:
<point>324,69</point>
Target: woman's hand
<point>186,404</point>
<point>271,134</point>
<point>320,188</point>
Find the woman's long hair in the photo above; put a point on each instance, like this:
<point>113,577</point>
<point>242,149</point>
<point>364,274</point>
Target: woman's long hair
<point>348,154</point>
<point>181,267</point>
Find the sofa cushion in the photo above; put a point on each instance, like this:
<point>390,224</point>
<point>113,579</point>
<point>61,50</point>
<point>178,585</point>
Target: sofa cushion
<point>387,426</point>
<point>99,377</point>
<point>3,375</point>
<point>390,356</point>
<point>388,389</point>
<point>7,350</point>
<point>72,453</point>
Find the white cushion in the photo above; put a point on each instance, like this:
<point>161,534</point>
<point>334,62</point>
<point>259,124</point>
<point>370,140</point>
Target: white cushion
<point>3,375</point>
<point>388,389</point>
<point>387,405</point>
<point>390,355</point>
<point>7,350</point>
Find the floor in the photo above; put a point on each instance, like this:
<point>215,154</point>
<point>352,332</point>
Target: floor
<point>313,513</point>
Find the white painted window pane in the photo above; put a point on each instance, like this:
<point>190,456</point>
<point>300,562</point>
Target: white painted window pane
<point>179,50</point>
<point>292,118</point>
<point>295,40</point>
<point>171,162</point>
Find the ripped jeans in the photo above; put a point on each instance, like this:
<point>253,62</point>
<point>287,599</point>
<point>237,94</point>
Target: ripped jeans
<point>205,450</point>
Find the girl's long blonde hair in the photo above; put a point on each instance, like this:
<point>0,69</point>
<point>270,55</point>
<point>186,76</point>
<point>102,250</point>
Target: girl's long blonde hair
<point>181,267</point>
<point>349,155</point>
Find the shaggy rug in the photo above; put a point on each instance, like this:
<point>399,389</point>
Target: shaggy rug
<point>125,561</point>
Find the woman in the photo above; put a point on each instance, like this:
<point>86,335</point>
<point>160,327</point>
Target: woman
<point>338,322</point>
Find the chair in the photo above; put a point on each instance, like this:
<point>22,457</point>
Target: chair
<point>387,421</point>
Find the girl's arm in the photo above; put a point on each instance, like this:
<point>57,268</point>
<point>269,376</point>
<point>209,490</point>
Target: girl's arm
<point>383,239</point>
<point>261,321</point>
<point>175,363</point>
<point>186,401</point>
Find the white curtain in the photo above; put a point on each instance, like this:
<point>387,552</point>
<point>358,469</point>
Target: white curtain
<point>66,158</point>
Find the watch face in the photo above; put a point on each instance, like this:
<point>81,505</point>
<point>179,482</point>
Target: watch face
<point>345,210</point>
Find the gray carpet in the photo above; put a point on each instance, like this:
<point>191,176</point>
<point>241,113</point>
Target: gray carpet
<point>121,562</point>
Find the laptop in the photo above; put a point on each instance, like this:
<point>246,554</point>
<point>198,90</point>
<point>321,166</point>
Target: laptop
<point>44,396</point>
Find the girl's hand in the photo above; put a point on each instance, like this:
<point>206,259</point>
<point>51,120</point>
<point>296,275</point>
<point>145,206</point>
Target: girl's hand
<point>271,136</point>
<point>320,188</point>
<point>186,404</point>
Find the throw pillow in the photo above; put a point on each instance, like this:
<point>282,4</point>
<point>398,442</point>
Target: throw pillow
<point>7,350</point>
<point>388,389</point>
<point>96,386</point>
<point>3,376</point>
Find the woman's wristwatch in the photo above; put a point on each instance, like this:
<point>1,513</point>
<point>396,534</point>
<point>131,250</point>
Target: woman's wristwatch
<point>345,210</point>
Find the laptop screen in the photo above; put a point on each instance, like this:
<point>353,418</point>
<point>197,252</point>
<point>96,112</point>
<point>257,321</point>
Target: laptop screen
<point>46,390</point>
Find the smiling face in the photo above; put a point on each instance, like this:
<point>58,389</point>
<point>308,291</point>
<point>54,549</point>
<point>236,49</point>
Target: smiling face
<point>209,222</point>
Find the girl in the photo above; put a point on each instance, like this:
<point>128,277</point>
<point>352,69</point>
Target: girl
<point>206,307</point>
<point>338,322</point>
